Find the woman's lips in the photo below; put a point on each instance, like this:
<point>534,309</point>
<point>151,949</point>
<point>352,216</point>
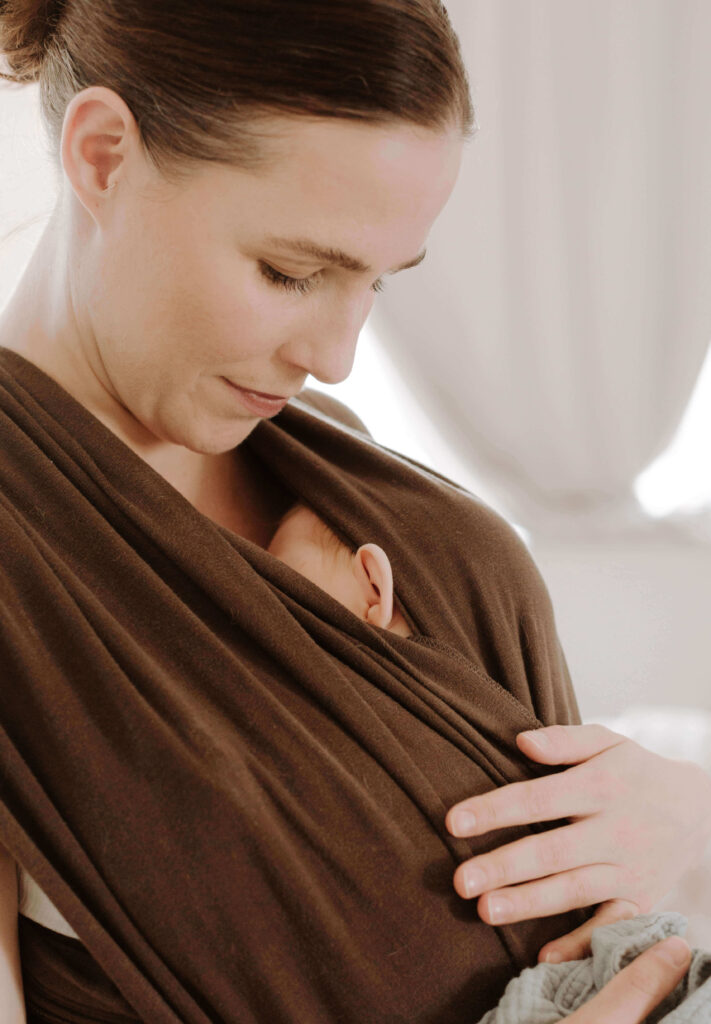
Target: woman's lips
<point>258,402</point>
<point>263,394</point>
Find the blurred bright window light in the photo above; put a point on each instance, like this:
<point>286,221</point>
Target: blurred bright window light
<point>680,479</point>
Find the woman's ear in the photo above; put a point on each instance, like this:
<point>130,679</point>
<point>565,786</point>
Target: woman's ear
<point>98,128</point>
<point>375,579</point>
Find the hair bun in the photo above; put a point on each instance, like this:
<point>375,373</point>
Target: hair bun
<point>26,27</point>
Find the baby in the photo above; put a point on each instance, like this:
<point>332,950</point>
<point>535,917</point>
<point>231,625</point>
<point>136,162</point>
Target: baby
<point>362,581</point>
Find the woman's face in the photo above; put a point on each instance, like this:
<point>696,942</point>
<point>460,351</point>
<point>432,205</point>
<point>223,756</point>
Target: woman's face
<point>179,285</point>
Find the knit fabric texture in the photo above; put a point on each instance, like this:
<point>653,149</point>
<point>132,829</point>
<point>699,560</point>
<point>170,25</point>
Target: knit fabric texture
<point>232,787</point>
<point>551,992</point>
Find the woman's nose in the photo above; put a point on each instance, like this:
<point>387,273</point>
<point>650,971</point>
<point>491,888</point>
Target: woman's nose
<point>332,362</point>
<point>326,348</point>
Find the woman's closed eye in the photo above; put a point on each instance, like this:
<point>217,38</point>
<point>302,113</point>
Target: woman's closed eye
<point>301,284</point>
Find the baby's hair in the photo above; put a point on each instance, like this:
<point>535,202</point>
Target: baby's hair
<point>203,80</point>
<point>331,542</point>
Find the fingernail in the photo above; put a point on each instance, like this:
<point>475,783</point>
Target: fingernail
<point>499,909</point>
<point>553,958</point>
<point>675,950</point>
<point>538,739</point>
<point>474,882</point>
<point>463,822</point>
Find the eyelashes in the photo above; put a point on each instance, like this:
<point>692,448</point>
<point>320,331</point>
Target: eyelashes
<point>303,285</point>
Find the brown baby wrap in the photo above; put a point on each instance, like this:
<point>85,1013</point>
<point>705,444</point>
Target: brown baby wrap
<point>233,788</point>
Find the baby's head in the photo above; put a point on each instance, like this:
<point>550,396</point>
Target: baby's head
<point>363,581</point>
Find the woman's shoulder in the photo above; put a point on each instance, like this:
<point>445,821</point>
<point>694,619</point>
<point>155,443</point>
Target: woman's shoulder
<point>334,408</point>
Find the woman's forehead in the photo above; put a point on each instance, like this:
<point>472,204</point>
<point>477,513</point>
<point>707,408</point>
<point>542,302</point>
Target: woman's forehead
<point>340,184</point>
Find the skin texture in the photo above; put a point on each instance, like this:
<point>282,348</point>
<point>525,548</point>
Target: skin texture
<point>361,580</point>
<point>142,296</point>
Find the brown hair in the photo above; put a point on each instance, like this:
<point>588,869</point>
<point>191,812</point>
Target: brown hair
<point>200,79</point>
<point>331,542</point>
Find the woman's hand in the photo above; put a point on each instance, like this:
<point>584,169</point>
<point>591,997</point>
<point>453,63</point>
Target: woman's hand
<point>637,821</point>
<point>638,988</point>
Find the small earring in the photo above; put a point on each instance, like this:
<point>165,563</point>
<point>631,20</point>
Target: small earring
<point>109,187</point>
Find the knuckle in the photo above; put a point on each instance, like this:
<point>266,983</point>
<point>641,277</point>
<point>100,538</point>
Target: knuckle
<point>553,851</point>
<point>537,800</point>
<point>579,890</point>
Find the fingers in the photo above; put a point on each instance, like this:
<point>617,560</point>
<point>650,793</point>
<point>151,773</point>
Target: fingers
<point>521,803</point>
<point>635,991</point>
<point>576,944</point>
<point>535,856</point>
<point>567,744</point>
<point>557,894</point>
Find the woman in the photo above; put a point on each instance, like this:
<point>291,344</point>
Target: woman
<point>232,790</point>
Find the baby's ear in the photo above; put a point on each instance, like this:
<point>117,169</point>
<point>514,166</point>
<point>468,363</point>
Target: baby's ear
<point>375,578</point>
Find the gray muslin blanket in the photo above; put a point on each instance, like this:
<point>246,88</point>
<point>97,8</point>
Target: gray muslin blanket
<point>550,992</point>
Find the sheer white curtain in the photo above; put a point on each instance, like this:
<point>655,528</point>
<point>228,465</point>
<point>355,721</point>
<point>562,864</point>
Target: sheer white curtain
<point>559,324</point>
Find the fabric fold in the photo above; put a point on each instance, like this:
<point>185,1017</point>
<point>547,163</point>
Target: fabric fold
<point>233,788</point>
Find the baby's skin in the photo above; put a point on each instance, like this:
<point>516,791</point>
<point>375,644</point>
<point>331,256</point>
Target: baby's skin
<point>361,580</point>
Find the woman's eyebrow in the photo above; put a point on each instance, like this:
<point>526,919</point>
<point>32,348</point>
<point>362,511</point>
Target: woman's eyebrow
<point>336,257</point>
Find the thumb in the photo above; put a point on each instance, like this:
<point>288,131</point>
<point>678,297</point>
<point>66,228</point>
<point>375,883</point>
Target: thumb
<point>635,991</point>
<point>567,744</point>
